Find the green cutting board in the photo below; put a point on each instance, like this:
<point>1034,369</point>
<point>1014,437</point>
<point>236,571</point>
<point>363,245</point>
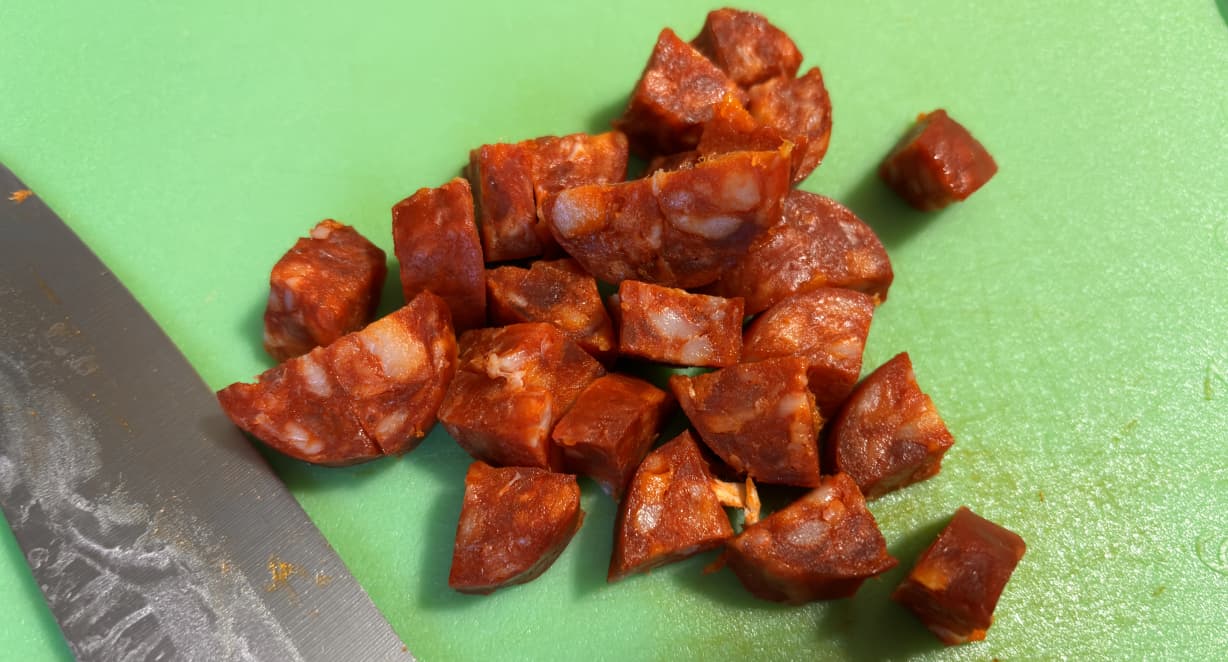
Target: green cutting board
<point>1069,319</point>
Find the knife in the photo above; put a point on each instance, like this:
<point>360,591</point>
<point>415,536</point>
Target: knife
<point>152,526</point>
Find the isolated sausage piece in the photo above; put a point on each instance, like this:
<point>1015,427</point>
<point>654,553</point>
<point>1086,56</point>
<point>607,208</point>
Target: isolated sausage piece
<point>502,178</point>
<point>817,243</point>
<point>673,326</point>
<point>514,523</point>
<point>800,109</point>
<point>610,428</point>
<point>827,328</point>
<point>326,286</point>
<point>747,47</point>
<point>820,547</point>
<point>955,585</point>
<point>436,242</point>
<point>559,292</point>
<point>889,434</point>
<point>759,418</point>
<point>937,163</point>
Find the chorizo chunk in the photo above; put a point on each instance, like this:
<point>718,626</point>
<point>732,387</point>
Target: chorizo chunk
<point>326,286</point>
<point>820,547</point>
<point>673,97</point>
<point>437,245</point>
<point>513,524</point>
<point>817,243</point>
<point>673,326</point>
<point>558,292</point>
<point>733,129</point>
<point>610,429</point>
<point>827,328</point>
<point>512,385</point>
<point>937,163</point>
<point>889,434</point>
<point>759,418</point>
<point>955,586</point>
<point>502,179</point>
<point>747,47</point>
<point>576,160</point>
<point>800,109</point>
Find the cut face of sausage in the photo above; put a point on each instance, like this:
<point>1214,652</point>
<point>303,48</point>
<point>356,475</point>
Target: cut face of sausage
<point>575,160</point>
<point>326,286</point>
<point>733,129</point>
<point>677,161</point>
<point>800,109</point>
<point>670,512</point>
<point>820,547</point>
<point>437,245</point>
<point>610,429</point>
<point>747,47</point>
<point>889,433</point>
<point>673,326</point>
<point>560,293</point>
<point>514,523</point>
<point>512,385</point>
<point>937,163</point>
<point>817,243</point>
<point>827,328</point>
<point>955,586</point>
<point>502,179</point>
<point>759,418</point>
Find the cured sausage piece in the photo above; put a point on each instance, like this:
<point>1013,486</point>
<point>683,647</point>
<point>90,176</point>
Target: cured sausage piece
<point>937,163</point>
<point>610,429</point>
<point>747,47</point>
<point>571,161</point>
<point>732,129</point>
<point>514,523</point>
<point>955,586</point>
<point>326,286</point>
<point>759,418</point>
<point>677,161</point>
<point>673,326</point>
<point>560,293</point>
<point>673,97</point>
<point>680,228</point>
<point>801,110</point>
<point>820,547</point>
<point>817,243</point>
<point>502,179</point>
<point>437,245</point>
<point>512,385</point>
<point>827,328</point>
<point>889,434</point>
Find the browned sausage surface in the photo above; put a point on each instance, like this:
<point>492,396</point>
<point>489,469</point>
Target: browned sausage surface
<point>674,326</point>
<point>937,163</point>
<point>801,110</point>
<point>559,292</point>
<point>747,47</point>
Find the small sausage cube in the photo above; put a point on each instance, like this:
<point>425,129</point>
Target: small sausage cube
<point>759,418</point>
<point>560,293</point>
<point>821,547</point>
<point>576,160</point>
<point>502,179</point>
<point>955,586</point>
<point>800,109</point>
<point>670,511</point>
<point>610,429</point>
<point>827,328</point>
<point>674,326</point>
<point>888,434</point>
<point>732,129</point>
<point>747,47</point>
<point>326,286</point>
<point>513,525</point>
<point>437,245</point>
<point>937,163</point>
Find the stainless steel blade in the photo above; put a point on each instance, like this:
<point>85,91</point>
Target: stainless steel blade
<point>152,526</point>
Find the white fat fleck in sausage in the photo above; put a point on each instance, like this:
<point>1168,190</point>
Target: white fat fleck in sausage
<point>672,325</point>
<point>315,376</point>
<point>390,424</point>
<point>740,190</point>
<point>511,366</point>
<point>790,404</point>
<point>400,355</point>
<point>322,231</point>
<point>301,439</point>
<point>708,227</point>
<point>574,215</point>
<point>808,533</point>
<point>647,517</point>
<point>696,351</point>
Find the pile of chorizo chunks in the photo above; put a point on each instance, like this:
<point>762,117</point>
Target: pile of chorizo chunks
<point>507,341</point>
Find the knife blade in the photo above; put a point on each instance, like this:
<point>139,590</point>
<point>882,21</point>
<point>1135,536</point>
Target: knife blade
<point>152,526</point>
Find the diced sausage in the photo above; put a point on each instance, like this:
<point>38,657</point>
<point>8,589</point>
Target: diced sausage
<point>610,429</point>
<point>673,97</point>
<point>326,286</point>
<point>732,129</point>
<point>955,586</point>
<point>558,292</point>
<point>801,110</point>
<point>680,228</point>
<point>502,179</point>
<point>759,418</point>
<point>747,47</point>
<point>512,385</point>
<point>938,162</point>
<point>670,511</point>
<point>576,160</point>
<point>437,245</point>
<point>827,328</point>
<point>513,524</point>
<point>889,434</point>
<point>817,243</point>
<point>673,326</point>
<point>820,547</point>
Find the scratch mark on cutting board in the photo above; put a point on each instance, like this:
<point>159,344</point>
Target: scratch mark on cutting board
<point>1213,552</point>
<point>1215,375</point>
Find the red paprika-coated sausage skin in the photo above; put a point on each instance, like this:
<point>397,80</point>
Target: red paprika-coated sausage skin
<point>502,179</point>
<point>514,523</point>
<point>937,163</point>
<point>800,109</point>
<point>673,326</point>
<point>747,47</point>
<point>955,585</point>
<point>559,292</point>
